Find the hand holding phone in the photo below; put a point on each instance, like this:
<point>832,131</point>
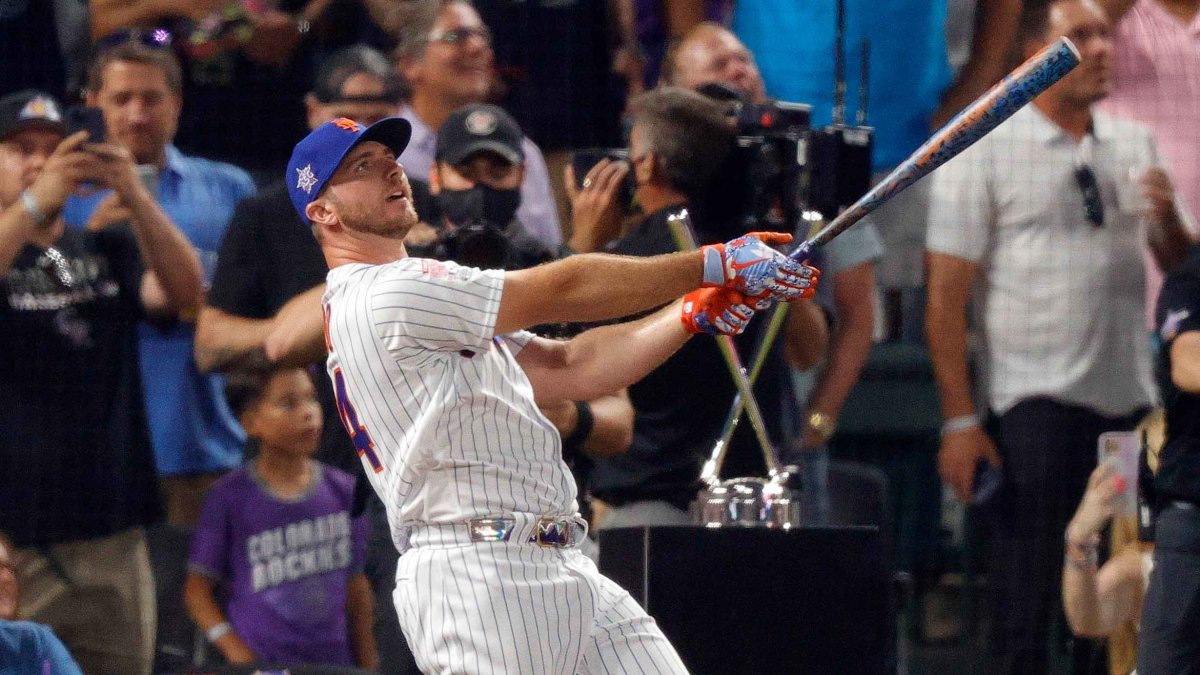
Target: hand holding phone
<point>1120,450</point>
<point>89,119</point>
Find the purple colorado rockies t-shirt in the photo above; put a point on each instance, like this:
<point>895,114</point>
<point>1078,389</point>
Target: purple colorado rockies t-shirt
<point>285,563</point>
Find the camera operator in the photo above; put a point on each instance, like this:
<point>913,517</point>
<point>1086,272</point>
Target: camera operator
<point>678,140</point>
<point>710,54</point>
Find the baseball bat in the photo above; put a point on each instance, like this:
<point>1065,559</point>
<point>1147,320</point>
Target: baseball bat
<point>971,124</point>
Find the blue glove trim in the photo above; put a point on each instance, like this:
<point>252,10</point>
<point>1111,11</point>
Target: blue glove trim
<point>714,269</point>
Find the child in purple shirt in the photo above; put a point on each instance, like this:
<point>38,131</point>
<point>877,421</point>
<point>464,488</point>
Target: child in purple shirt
<point>276,539</point>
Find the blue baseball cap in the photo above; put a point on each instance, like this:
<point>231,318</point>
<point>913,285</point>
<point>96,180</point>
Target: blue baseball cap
<point>317,156</point>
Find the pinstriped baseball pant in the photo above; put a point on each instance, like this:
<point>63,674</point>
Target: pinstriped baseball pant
<point>519,608</point>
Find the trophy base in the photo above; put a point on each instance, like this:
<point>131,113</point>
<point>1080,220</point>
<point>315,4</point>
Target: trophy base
<point>747,502</point>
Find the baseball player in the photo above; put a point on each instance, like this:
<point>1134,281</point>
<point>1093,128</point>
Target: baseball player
<point>438,385</point>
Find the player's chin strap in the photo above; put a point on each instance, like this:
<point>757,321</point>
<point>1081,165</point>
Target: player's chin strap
<point>680,225</point>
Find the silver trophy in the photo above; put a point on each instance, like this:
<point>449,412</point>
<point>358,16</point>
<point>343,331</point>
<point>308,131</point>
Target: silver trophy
<point>742,502</point>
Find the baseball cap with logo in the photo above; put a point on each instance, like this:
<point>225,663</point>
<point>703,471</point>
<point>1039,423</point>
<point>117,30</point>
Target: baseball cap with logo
<point>29,109</point>
<point>478,127</point>
<point>315,158</point>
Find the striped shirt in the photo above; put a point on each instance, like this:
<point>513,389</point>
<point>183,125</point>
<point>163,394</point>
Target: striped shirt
<point>441,413</point>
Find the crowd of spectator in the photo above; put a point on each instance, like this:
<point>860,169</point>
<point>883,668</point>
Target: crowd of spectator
<point>160,299</point>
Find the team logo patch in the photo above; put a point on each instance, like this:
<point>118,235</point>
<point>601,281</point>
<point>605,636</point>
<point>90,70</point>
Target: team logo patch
<point>1170,325</point>
<point>481,122</point>
<point>346,124</point>
<point>306,180</point>
<point>40,108</point>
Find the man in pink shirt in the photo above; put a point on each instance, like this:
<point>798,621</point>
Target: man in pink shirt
<point>1157,82</point>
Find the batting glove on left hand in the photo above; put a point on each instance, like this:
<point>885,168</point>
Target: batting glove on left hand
<point>750,266</point>
<point>716,311</point>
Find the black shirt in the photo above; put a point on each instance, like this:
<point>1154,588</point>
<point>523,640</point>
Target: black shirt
<point>682,405</point>
<point>75,456</point>
<point>1178,313</point>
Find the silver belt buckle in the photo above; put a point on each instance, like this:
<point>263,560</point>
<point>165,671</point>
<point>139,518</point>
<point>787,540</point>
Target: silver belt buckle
<point>554,533</point>
<point>490,529</point>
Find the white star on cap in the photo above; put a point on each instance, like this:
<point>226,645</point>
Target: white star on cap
<point>307,180</point>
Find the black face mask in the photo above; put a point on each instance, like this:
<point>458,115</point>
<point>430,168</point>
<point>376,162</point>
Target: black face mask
<point>480,204</point>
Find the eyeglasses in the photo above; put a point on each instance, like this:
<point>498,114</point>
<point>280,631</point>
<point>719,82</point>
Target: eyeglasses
<point>155,38</point>
<point>458,36</point>
<point>1093,207</point>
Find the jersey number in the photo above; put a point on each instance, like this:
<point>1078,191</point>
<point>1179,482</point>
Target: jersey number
<point>349,416</point>
<point>346,412</point>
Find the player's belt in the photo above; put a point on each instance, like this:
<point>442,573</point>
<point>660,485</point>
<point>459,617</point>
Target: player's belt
<point>545,531</point>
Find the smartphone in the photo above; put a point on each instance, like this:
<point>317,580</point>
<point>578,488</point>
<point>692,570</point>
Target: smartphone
<point>582,162</point>
<point>988,480</point>
<point>1120,449</point>
<point>85,118</point>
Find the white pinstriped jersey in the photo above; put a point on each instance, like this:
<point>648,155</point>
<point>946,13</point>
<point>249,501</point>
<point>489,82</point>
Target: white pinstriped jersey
<point>439,410</point>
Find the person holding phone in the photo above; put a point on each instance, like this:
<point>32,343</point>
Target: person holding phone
<point>78,486</point>
<point>1105,601</point>
<point>139,91</point>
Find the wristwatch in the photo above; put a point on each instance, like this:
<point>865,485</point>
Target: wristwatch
<point>823,424</point>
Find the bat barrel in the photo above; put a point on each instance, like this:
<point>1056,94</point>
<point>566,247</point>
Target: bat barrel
<point>987,112</point>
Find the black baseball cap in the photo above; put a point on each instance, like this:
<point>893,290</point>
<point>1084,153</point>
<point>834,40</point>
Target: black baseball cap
<point>477,127</point>
<point>30,109</point>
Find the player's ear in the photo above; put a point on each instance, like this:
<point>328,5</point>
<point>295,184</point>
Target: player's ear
<point>320,212</point>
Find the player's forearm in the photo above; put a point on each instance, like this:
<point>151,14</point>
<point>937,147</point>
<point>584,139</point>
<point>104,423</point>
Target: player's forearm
<point>360,615</point>
<point>223,339</point>
<point>584,287</point>
<point>608,358</point>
